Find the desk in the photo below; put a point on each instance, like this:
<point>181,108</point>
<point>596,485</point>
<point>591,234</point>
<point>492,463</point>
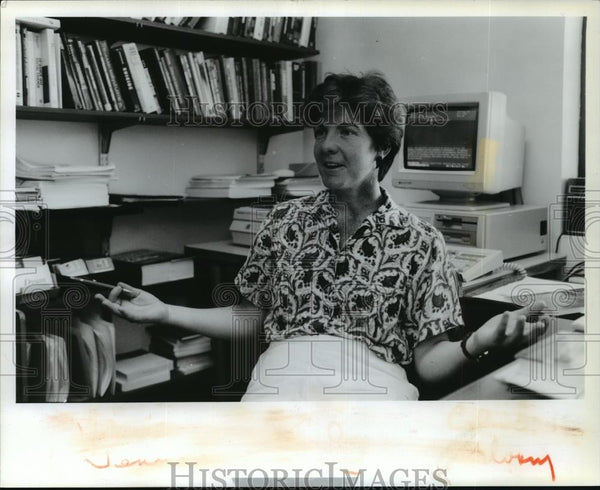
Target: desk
<point>552,380</point>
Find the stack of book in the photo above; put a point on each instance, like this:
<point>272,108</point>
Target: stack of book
<point>231,186</point>
<point>62,70</point>
<point>60,186</point>
<point>191,352</point>
<point>295,31</point>
<point>247,220</point>
<point>141,370</point>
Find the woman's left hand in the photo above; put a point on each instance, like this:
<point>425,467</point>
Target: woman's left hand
<point>511,329</point>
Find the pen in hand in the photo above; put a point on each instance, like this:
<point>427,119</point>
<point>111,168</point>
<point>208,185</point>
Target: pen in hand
<point>107,288</point>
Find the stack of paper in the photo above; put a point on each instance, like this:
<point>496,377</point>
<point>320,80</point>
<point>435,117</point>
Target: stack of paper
<point>247,220</point>
<point>299,186</point>
<point>231,186</point>
<point>553,367</point>
<point>45,360</point>
<point>94,354</point>
<point>56,368</point>
<point>143,370</point>
<point>561,298</point>
<point>64,186</point>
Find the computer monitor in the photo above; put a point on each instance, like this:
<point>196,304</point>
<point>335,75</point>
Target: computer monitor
<point>460,146</point>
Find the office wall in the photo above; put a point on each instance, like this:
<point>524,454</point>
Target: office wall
<point>534,61</point>
<point>151,160</point>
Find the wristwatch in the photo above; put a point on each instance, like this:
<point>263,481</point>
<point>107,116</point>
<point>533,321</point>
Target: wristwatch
<point>468,355</point>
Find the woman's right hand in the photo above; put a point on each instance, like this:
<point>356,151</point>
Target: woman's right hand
<point>135,304</point>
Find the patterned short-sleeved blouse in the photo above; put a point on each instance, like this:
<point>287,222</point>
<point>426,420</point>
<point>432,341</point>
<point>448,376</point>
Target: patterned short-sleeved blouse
<point>389,285</point>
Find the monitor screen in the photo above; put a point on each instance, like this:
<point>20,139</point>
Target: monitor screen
<point>441,136</point>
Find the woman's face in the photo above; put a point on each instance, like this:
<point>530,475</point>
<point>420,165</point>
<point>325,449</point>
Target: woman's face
<point>344,153</point>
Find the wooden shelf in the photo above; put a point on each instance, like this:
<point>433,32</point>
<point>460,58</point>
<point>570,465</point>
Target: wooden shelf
<point>157,34</point>
<point>124,119</point>
<point>111,209</point>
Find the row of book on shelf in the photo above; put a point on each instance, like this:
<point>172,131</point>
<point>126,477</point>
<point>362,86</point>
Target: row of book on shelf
<point>85,354</point>
<point>294,31</point>
<point>60,70</point>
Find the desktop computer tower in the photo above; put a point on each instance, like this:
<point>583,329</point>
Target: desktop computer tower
<point>516,230</point>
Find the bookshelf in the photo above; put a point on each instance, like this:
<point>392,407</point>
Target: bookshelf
<point>154,33</point>
<point>94,225</point>
<point>145,32</point>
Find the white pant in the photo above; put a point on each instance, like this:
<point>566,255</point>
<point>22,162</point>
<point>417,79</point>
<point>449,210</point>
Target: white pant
<point>324,367</point>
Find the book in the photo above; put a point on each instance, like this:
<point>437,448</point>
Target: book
<point>141,81</point>
<point>84,91</point>
<point>217,25</point>
<point>189,83</point>
<point>228,192</point>
<point>73,95</point>
<point>172,100</point>
<point>232,93</point>
<point>153,92</point>
<point>102,73</point>
<point>175,348</point>
<point>193,364</point>
<point>89,76</point>
<point>35,77</point>
<point>176,74</point>
<point>100,85</point>
<point>143,381</point>
<point>57,58</point>
<point>259,28</point>
<point>151,58</point>
<point>231,185</point>
<point>49,68</point>
<point>144,198</point>
<point>19,56</point>
<point>216,81</point>
<point>145,267</point>
<point>142,365</point>
<point>305,32</point>
<point>104,51</point>
<point>128,91</point>
<point>39,22</point>
<point>200,85</point>
<point>174,333</point>
<point>84,356</point>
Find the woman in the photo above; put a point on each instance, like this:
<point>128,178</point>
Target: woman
<point>351,288</point>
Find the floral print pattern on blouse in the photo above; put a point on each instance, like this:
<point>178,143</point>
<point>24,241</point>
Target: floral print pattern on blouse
<point>390,285</point>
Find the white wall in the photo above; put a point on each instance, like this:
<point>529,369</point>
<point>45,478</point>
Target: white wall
<point>151,160</point>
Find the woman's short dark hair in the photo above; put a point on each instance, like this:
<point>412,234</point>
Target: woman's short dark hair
<point>370,101</point>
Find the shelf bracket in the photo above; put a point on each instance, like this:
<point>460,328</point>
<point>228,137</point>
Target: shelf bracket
<point>262,146</point>
<point>106,131</point>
